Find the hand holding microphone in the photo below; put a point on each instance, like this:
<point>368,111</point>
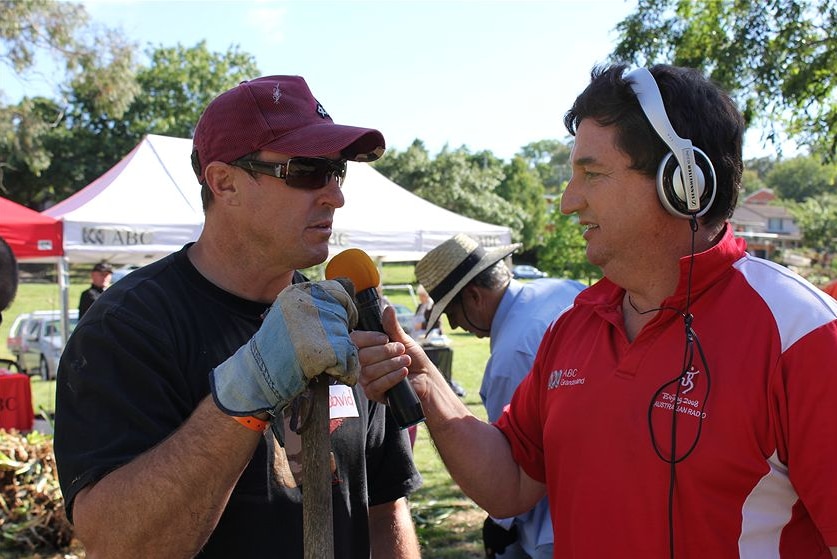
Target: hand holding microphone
<point>359,268</point>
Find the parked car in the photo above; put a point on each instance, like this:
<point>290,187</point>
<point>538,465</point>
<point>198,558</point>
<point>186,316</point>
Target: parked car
<point>35,341</point>
<point>524,271</point>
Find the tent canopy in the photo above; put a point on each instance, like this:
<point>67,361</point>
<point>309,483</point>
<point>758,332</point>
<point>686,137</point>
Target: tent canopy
<point>391,223</point>
<point>32,236</point>
<point>148,205</point>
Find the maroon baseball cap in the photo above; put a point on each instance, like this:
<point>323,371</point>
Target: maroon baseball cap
<point>275,113</point>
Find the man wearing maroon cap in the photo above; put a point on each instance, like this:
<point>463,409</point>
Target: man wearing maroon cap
<point>177,402</point>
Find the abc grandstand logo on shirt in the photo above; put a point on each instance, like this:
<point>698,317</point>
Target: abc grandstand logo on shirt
<point>564,377</point>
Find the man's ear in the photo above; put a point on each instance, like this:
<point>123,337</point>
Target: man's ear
<point>220,178</point>
<point>473,293</point>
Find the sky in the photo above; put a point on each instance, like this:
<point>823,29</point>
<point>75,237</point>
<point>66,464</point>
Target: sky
<point>489,75</point>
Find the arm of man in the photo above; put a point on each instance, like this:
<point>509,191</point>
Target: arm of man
<point>475,453</point>
<point>165,500</point>
<point>391,531</point>
<point>175,491</point>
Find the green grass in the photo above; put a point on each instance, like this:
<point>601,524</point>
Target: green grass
<point>448,523</point>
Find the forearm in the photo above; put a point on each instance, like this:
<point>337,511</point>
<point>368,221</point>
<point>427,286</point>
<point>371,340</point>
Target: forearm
<point>392,534</point>
<point>476,454</point>
<point>167,501</point>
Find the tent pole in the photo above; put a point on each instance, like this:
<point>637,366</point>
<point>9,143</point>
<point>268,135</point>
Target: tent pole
<point>64,289</point>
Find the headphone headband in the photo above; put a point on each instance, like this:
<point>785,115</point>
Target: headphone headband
<point>645,87</point>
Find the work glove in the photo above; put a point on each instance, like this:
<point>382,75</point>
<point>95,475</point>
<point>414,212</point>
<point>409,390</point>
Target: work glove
<point>305,333</point>
<point>495,538</point>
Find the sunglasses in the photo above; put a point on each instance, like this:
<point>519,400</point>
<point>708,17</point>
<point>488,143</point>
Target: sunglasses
<point>306,173</point>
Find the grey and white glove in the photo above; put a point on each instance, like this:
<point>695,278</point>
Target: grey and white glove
<point>305,333</point>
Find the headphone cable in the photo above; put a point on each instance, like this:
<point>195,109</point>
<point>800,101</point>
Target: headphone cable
<point>692,342</point>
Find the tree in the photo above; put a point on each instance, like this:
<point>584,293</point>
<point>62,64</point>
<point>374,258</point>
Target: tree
<point>523,188</point>
<point>800,178</point>
<point>175,88</point>
<point>407,168</point>
<point>778,59</point>
<point>750,182</point>
<point>179,83</point>
<point>551,160</point>
<point>467,184</point>
<point>88,57</point>
<point>817,220</point>
<point>564,253</point>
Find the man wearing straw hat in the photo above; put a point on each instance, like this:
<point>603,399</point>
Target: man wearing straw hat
<point>474,287</point>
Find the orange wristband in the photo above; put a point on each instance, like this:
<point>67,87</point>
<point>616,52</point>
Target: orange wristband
<point>252,423</point>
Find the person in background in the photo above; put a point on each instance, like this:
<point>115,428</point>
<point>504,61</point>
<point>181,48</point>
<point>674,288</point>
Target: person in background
<point>683,407</point>
<point>8,276</point>
<point>99,281</point>
<point>423,313</point>
<point>475,288</point>
<point>181,393</point>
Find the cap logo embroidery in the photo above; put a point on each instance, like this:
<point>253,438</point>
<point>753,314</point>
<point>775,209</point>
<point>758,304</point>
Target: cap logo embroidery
<point>322,111</point>
<point>277,94</point>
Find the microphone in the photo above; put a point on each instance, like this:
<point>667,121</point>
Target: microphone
<point>356,265</point>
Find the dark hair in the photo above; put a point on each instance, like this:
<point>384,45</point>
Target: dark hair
<point>494,277</point>
<point>8,275</point>
<point>698,110</point>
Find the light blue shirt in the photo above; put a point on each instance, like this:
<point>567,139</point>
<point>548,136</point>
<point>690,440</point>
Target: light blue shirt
<point>524,313</point>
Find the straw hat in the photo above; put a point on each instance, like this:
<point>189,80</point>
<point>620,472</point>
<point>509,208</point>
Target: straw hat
<point>446,269</point>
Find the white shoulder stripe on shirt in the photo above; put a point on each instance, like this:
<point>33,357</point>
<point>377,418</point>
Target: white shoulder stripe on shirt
<point>797,306</point>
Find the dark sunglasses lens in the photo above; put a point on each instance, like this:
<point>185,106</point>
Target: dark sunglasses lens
<point>313,172</point>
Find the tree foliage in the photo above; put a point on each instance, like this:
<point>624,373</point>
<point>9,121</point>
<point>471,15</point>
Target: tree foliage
<point>467,184</point>
<point>87,57</point>
<point>174,88</point>
<point>523,188</point>
<point>801,177</point>
<point>777,58</point>
<point>817,220</point>
<point>564,253</point>
<point>179,82</point>
<point>407,168</point>
<point>551,160</point>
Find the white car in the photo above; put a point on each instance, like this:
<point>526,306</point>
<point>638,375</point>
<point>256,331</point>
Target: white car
<point>35,341</point>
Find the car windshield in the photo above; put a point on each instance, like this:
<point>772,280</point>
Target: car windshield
<point>53,327</point>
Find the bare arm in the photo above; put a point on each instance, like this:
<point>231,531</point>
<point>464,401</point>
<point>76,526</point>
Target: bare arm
<point>391,531</point>
<point>175,491</point>
<point>475,453</point>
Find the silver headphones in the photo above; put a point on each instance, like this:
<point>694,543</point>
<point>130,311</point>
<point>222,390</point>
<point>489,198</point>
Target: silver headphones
<point>686,183</point>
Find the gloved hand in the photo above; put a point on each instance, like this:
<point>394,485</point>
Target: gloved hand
<point>305,333</point>
<point>495,538</point>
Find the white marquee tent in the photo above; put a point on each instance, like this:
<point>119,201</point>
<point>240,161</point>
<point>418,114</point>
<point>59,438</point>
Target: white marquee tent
<point>148,205</point>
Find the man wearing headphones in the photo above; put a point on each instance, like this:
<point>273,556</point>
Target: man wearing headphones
<point>683,407</point>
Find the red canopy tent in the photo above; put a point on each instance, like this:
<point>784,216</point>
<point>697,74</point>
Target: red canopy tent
<point>34,237</point>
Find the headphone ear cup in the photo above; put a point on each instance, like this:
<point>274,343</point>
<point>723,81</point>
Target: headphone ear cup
<point>672,192</point>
